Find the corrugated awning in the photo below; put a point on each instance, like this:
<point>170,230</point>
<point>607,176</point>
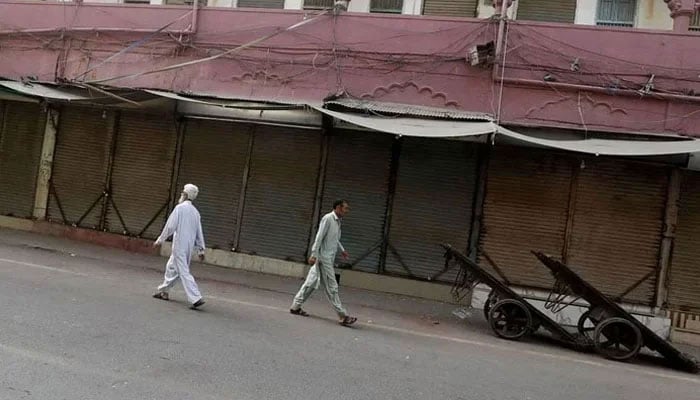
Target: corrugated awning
<point>394,109</point>
<point>608,147</point>
<point>225,103</point>
<point>84,94</point>
<point>421,127</point>
<point>45,91</point>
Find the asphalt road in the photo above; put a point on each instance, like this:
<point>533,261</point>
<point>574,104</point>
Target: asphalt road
<point>77,325</point>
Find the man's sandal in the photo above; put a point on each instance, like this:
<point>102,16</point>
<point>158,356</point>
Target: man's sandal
<point>161,295</point>
<point>299,312</point>
<point>347,321</point>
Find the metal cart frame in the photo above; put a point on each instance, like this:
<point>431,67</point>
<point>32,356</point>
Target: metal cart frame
<point>509,314</point>
<point>615,333</point>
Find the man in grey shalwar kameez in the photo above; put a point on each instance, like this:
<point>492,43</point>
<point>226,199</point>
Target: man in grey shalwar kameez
<point>184,225</point>
<point>322,258</point>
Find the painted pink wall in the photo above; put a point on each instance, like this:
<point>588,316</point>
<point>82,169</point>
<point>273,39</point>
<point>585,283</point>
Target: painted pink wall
<point>417,60</point>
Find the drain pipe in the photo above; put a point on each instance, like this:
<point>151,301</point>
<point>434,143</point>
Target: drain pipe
<point>195,14</point>
<point>502,14</point>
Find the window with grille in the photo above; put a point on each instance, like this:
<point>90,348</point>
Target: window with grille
<point>318,4</point>
<point>201,3</point>
<point>695,22</point>
<point>616,12</point>
<point>278,4</point>
<point>386,6</point>
<point>450,8</point>
<point>563,11</point>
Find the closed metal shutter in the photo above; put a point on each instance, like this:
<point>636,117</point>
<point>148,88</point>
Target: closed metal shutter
<point>617,226</point>
<point>684,281</point>
<point>450,8</point>
<point>525,208</point>
<point>21,138</point>
<point>213,158</point>
<point>279,200</point>
<point>141,174</point>
<point>279,4</point>
<point>358,170</point>
<point>547,10</point>
<point>80,164</point>
<point>433,204</point>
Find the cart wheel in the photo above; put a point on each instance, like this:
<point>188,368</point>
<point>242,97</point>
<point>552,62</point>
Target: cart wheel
<point>617,339</point>
<point>510,319</point>
<point>586,325</point>
<point>490,301</point>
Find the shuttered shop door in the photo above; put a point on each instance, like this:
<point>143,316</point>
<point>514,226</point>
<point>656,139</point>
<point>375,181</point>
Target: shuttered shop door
<point>525,209</point>
<point>141,173</point>
<point>684,282</point>
<point>432,205</point>
<point>450,8</point>
<point>617,226</point>
<point>358,170</point>
<point>279,201</point>
<point>213,158</point>
<point>80,166</point>
<point>21,138</point>
<point>547,10</point>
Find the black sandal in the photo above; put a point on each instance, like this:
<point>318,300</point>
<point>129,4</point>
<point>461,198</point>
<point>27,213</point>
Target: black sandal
<point>299,312</point>
<point>161,295</point>
<point>347,321</point>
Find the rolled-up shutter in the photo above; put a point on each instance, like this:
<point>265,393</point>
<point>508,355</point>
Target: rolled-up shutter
<point>213,158</point>
<point>141,174</point>
<point>547,10</point>
<point>450,8</point>
<point>80,165</point>
<point>616,233</point>
<point>358,170</point>
<point>21,138</point>
<point>279,199</point>
<point>684,282</point>
<point>432,204</point>
<point>525,208</point>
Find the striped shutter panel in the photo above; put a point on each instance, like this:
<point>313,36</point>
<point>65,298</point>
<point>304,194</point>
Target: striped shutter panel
<point>358,170</point>
<point>80,164</point>
<point>684,279</point>
<point>432,205</point>
<point>617,226</point>
<point>141,174</point>
<point>279,200</point>
<point>450,8</point>
<point>21,139</point>
<point>525,208</point>
<point>213,157</point>
<point>547,11</point>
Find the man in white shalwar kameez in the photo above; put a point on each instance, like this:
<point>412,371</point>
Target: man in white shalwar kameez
<point>184,225</point>
<point>322,258</point>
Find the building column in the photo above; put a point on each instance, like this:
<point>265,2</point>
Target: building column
<point>682,11</point>
<point>43,182</point>
<point>668,236</point>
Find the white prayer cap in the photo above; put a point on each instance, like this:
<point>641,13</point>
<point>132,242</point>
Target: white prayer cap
<point>191,191</point>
